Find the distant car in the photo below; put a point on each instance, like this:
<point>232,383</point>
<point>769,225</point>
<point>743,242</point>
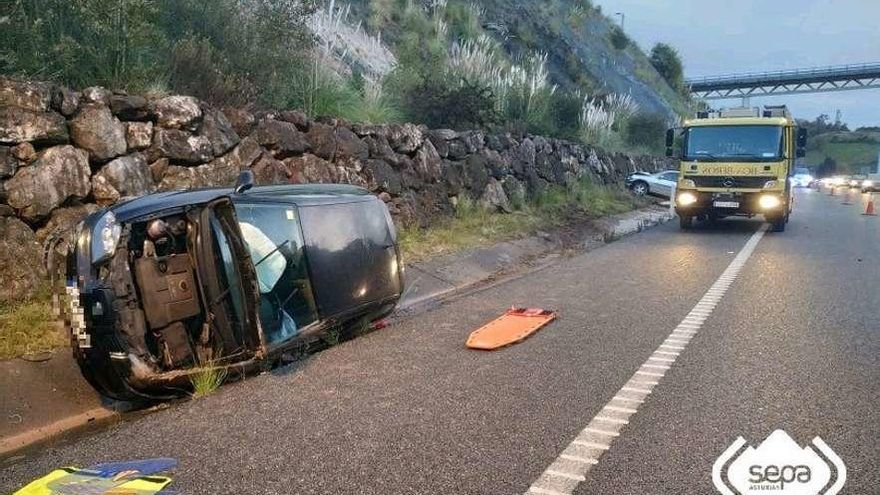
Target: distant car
<point>801,178</point>
<point>871,183</point>
<point>855,181</point>
<point>659,184</point>
<point>162,286</point>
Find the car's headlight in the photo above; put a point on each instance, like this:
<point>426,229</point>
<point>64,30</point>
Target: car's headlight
<point>688,183</point>
<point>105,237</point>
<point>768,202</point>
<point>771,184</point>
<point>686,199</point>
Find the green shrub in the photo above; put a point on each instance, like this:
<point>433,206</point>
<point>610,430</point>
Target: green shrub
<point>444,104</point>
<point>646,130</point>
<point>667,62</point>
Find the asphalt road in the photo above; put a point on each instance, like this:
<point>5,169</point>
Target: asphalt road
<point>794,343</point>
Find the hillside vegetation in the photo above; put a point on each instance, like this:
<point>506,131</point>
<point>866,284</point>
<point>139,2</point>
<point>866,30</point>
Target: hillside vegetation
<point>554,67</point>
<point>834,149</point>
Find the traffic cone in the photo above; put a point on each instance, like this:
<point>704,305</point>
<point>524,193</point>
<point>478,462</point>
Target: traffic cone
<point>869,210</point>
<point>846,199</point>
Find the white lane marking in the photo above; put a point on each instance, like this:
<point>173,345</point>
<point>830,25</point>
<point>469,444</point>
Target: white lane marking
<point>649,373</point>
<point>677,340</point>
<point>585,460</point>
<point>667,353</point>
<point>575,477</point>
<point>608,419</point>
<point>627,410</point>
<point>602,432</point>
<point>592,445</point>
<point>544,491</point>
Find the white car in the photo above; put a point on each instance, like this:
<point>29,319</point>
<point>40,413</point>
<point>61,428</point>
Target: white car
<point>659,184</point>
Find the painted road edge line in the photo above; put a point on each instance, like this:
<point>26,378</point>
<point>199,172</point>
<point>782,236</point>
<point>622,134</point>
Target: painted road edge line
<point>567,471</point>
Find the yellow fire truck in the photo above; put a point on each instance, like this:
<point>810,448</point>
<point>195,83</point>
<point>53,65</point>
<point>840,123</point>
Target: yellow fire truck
<point>737,162</point>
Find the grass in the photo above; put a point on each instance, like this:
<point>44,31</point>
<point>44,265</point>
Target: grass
<point>474,226</point>
<point>29,327</point>
<point>207,380</point>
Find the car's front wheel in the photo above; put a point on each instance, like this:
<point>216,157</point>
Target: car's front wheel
<point>685,221</point>
<point>640,188</point>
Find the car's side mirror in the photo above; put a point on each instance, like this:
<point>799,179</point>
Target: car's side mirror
<point>244,182</point>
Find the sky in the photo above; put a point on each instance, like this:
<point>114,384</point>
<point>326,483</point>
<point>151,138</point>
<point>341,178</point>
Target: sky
<point>717,37</point>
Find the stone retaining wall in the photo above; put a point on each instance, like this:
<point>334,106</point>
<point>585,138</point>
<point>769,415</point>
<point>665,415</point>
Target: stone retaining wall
<point>65,153</point>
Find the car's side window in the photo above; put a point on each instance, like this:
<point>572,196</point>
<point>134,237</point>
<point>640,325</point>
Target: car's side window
<point>670,176</point>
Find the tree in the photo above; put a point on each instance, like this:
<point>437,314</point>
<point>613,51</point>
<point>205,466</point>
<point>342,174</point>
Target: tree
<point>619,39</point>
<point>667,61</point>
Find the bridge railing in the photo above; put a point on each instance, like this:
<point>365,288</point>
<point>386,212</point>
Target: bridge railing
<point>834,71</point>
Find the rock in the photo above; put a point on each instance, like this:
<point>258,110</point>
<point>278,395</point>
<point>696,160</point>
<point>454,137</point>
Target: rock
<point>21,266</point>
<point>515,190</point>
<point>456,149</point>
<point>385,197</point>
<point>427,162</point>
<point>241,120</point>
<point>178,112</point>
<point>18,125</point>
<point>269,171</point>
<point>219,132</point>
<point>295,117</point>
<point>8,162</point>
<point>381,177</point>
<point>497,166</point>
<point>182,146</point>
<point>494,197</point>
<point>97,131</point>
<point>453,176</point>
<point>96,95</point>
<point>283,139</point>
<point>25,152</point>
<point>65,101</point>
<point>6,211</point>
<point>63,221</point>
<point>221,172</point>
<point>311,169</point>
<point>125,176</point>
<point>442,134</point>
<point>348,175</point>
<point>474,141</point>
<point>138,135</point>
<point>475,176</point>
<point>158,169</point>
<point>60,173</point>
<point>129,107</point>
<point>378,148</point>
<point>406,138</point>
<point>349,147</point>
<point>322,140</point>
<point>33,96</point>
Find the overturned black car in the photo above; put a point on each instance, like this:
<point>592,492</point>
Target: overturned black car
<point>162,286</point>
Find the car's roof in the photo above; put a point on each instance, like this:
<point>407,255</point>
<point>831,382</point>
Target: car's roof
<point>300,194</point>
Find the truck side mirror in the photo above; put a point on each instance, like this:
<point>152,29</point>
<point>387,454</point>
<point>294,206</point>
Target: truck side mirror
<point>802,138</point>
<point>670,142</point>
<point>800,153</point>
<point>244,182</point>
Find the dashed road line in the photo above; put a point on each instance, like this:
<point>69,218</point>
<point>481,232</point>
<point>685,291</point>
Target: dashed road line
<point>570,468</point>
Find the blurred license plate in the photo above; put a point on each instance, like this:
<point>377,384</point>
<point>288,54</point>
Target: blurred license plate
<point>726,204</point>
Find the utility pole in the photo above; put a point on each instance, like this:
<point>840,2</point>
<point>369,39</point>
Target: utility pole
<point>622,20</point>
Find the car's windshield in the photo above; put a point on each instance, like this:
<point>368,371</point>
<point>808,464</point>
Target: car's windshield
<point>741,143</point>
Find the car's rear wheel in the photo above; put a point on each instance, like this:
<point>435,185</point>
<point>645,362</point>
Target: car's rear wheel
<point>640,188</point>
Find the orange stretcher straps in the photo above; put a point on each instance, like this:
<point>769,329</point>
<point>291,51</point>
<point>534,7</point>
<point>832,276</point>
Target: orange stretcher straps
<point>513,326</point>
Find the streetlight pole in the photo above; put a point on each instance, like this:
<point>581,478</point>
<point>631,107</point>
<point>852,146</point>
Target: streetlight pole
<point>622,20</point>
